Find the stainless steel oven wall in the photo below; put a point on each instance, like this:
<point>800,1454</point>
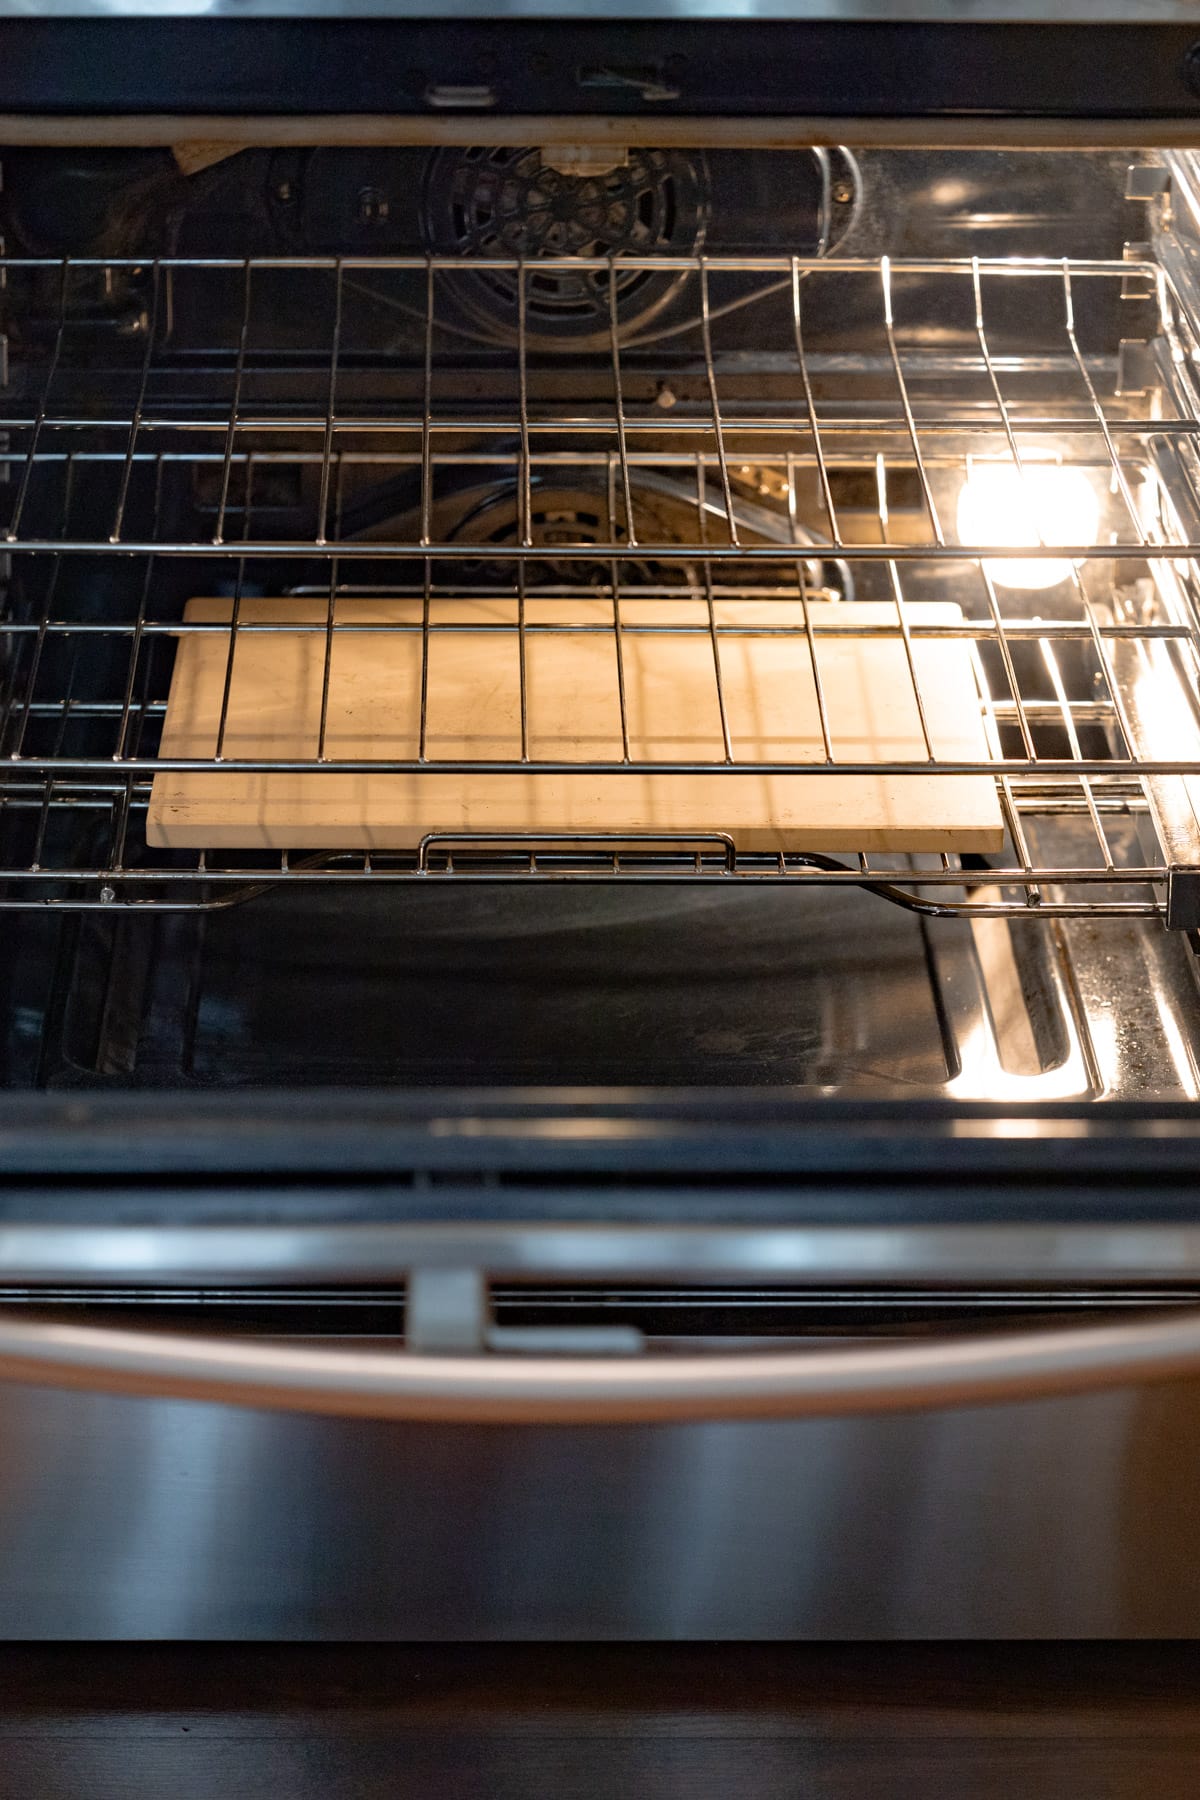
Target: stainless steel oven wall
<point>131,1518</point>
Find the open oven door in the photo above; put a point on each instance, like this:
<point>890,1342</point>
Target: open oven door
<point>598,1367</point>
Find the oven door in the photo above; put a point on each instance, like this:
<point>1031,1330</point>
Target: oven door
<point>599,1367</point>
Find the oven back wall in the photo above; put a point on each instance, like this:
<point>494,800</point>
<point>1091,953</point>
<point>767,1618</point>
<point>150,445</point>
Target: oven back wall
<point>130,1518</point>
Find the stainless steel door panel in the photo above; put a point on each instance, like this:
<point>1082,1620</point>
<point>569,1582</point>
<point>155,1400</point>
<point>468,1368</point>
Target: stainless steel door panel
<point>128,1518</point>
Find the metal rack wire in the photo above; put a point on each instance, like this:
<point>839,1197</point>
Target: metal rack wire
<point>801,429</point>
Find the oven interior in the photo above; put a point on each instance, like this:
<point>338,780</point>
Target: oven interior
<point>729,379</point>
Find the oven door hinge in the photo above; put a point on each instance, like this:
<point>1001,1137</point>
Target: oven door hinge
<point>448,1312</point>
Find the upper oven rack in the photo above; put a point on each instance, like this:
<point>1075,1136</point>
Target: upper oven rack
<point>790,429</point>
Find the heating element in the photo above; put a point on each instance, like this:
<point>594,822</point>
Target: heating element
<point>1017,436</point>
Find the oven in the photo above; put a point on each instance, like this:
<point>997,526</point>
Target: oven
<point>599,820</point>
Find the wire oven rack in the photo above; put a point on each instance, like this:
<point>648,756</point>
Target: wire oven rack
<point>799,428</point>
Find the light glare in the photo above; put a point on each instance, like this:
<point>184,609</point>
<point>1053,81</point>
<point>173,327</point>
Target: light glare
<point>1045,503</point>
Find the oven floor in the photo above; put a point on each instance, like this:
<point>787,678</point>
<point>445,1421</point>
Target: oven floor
<point>599,986</point>
<point>493,986</point>
<point>904,1721</point>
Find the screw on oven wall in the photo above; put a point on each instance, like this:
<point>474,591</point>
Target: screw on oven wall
<point>842,193</point>
<point>664,396</point>
<point>285,193</point>
<point>107,896</point>
<point>373,206</point>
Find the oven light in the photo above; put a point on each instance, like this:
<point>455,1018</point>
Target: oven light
<point>1046,503</point>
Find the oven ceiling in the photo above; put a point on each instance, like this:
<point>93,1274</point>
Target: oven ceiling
<point>967,71</point>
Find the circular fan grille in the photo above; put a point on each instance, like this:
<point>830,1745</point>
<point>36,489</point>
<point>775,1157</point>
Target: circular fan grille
<point>507,201</point>
<point>572,514</point>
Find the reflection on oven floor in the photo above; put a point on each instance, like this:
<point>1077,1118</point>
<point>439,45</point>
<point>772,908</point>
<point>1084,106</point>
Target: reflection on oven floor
<point>596,985</point>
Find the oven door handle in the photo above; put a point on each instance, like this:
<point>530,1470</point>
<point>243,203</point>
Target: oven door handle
<point>508,1389</point>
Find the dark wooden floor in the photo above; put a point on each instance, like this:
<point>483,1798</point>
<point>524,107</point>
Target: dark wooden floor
<point>735,1721</point>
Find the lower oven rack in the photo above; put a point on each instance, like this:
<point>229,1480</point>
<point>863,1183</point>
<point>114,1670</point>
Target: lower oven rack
<point>945,887</point>
<point>801,429</point>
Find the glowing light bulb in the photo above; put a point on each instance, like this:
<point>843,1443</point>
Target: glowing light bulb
<point>1045,504</point>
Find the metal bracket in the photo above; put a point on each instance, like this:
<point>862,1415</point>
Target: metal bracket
<point>1147,181</point>
<point>1183,898</point>
<point>645,83</point>
<point>448,1312</point>
<point>1137,370</point>
<point>1138,285</point>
